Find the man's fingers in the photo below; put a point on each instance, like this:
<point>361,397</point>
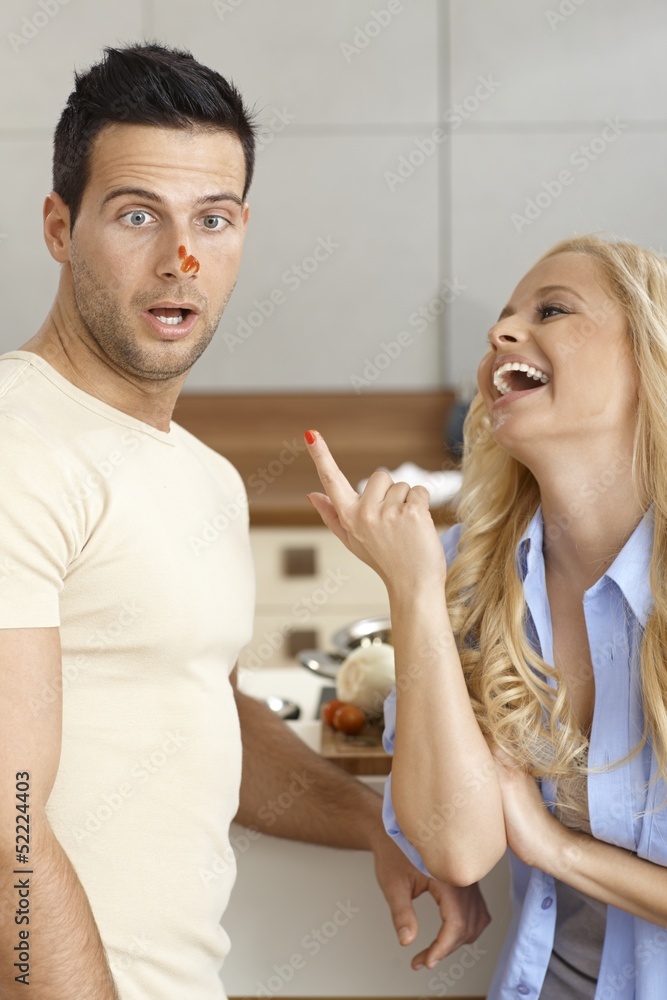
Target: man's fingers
<point>404,918</point>
<point>336,486</point>
<point>452,935</point>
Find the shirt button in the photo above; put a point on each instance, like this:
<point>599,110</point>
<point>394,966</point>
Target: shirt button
<point>523,989</point>
<point>546,903</point>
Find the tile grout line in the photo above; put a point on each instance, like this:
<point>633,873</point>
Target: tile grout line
<point>371,130</point>
<point>445,193</point>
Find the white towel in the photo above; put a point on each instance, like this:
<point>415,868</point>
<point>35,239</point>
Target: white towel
<point>442,486</point>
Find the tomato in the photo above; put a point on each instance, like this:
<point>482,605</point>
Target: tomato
<point>330,709</point>
<point>349,719</point>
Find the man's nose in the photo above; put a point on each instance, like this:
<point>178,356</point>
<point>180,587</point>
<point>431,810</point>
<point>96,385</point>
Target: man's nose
<point>177,261</point>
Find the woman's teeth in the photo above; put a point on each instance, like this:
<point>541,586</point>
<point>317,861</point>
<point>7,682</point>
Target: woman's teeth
<point>500,381</point>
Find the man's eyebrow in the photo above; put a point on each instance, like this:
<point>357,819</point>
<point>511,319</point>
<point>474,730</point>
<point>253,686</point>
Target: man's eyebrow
<point>144,195</point>
<point>540,293</point>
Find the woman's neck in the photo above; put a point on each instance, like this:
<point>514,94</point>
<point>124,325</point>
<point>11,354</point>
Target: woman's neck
<point>590,508</point>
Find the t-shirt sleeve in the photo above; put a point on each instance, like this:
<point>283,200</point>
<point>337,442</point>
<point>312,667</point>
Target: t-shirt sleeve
<point>450,541</point>
<point>37,534</point>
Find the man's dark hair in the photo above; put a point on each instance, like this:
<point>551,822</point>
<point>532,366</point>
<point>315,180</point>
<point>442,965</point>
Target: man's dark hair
<point>143,85</point>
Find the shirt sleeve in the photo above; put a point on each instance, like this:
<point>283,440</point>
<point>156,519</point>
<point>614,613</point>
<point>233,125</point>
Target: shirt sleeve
<point>37,536</point>
<point>450,541</point>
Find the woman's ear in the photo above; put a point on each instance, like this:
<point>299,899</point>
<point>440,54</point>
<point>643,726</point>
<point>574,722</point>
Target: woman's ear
<point>56,227</point>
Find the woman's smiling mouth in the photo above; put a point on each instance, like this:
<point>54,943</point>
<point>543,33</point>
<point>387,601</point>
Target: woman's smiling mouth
<point>515,376</point>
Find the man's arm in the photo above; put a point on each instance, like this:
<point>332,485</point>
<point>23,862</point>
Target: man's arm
<point>289,791</point>
<point>319,803</point>
<point>45,915</point>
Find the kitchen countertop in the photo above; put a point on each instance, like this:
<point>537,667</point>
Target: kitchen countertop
<point>262,435</point>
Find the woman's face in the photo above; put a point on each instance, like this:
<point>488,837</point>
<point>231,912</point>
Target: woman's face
<point>562,323</point>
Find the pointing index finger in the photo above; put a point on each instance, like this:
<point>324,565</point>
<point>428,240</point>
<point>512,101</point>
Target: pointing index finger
<point>336,486</point>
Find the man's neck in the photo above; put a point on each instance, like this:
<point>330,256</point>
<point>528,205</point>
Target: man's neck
<point>81,361</point>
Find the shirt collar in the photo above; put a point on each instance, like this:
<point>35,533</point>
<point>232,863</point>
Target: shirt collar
<point>630,570</point>
<point>529,549</point>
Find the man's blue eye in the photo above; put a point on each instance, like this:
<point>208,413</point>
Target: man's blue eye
<point>211,221</point>
<point>137,218</point>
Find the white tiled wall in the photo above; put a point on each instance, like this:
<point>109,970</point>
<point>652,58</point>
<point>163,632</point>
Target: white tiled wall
<point>354,90</point>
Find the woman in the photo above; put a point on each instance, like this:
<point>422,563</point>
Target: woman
<point>541,680</point>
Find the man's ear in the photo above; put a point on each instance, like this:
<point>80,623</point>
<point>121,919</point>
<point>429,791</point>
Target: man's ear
<point>56,227</point>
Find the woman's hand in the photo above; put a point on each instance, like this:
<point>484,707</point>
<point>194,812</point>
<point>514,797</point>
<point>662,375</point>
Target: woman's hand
<point>389,526</point>
<point>532,832</point>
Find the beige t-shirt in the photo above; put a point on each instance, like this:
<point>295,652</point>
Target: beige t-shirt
<point>135,542</point>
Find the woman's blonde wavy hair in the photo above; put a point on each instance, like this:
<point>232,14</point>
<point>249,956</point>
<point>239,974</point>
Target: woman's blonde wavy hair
<point>507,681</point>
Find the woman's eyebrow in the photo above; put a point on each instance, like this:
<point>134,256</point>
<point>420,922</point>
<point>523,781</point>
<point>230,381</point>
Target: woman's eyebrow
<point>548,289</point>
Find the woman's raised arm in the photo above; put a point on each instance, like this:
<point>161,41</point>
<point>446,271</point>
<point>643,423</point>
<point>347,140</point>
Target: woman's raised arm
<point>445,787</point>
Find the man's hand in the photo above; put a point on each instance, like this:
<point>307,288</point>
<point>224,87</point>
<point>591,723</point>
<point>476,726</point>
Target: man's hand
<point>463,911</point>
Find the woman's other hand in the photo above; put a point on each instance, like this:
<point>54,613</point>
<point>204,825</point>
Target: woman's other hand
<point>389,526</point>
<point>533,833</point>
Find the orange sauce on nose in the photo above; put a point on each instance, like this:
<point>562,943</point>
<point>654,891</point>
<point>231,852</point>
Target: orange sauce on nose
<point>188,262</point>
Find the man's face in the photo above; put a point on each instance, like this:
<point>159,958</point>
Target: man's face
<point>152,191</point>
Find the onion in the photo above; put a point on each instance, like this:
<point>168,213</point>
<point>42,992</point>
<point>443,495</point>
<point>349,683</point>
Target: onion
<point>366,677</point>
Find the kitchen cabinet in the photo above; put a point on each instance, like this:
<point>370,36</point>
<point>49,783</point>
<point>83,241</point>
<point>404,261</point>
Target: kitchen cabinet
<point>308,586</point>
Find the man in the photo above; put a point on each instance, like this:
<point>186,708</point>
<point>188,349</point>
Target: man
<point>120,741</point>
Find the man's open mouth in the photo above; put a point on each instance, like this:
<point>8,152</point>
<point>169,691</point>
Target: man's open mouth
<point>516,376</point>
<point>172,317</point>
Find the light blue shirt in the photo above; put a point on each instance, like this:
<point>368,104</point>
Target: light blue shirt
<point>626,807</point>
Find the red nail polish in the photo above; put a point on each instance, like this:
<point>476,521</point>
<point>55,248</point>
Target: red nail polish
<point>310,437</point>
